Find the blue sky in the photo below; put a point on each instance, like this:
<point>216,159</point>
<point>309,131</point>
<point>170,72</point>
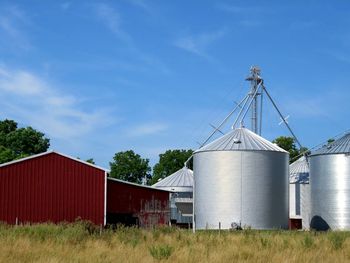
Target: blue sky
<point>102,77</point>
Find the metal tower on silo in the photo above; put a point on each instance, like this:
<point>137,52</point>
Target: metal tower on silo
<point>256,107</point>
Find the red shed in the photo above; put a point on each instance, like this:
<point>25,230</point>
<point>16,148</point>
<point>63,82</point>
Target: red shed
<point>133,204</point>
<point>52,187</point>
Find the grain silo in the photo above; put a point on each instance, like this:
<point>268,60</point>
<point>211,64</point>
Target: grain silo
<point>241,179</point>
<point>181,198</point>
<point>330,185</point>
<point>299,191</point>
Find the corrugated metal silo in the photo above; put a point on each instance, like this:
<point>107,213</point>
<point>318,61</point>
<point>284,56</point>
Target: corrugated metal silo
<point>181,200</point>
<point>299,191</point>
<point>330,185</point>
<point>241,178</point>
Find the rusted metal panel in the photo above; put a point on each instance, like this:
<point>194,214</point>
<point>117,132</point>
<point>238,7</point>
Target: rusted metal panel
<point>295,223</point>
<point>149,206</point>
<point>51,188</point>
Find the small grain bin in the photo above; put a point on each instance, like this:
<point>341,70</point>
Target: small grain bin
<point>181,198</point>
<point>330,185</point>
<point>299,191</point>
<point>241,179</point>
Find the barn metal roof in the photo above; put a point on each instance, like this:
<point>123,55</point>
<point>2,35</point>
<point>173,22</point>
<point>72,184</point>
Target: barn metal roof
<point>341,145</point>
<point>50,152</point>
<point>241,139</point>
<point>135,184</point>
<point>180,181</point>
<point>299,171</point>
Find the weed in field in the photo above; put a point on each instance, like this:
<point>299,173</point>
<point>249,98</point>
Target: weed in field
<point>155,234</point>
<point>130,236</point>
<point>285,243</point>
<point>178,236</point>
<point>337,239</point>
<point>264,242</point>
<point>308,242</point>
<point>161,252</point>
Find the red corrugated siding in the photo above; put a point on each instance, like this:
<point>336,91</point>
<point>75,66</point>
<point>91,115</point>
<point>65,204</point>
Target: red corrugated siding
<point>150,206</point>
<point>51,188</point>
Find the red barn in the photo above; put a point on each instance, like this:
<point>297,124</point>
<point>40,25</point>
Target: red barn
<point>53,187</point>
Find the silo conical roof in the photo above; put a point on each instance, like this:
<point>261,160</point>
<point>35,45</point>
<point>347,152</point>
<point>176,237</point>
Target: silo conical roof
<point>299,171</point>
<point>180,181</point>
<point>341,145</point>
<point>241,139</point>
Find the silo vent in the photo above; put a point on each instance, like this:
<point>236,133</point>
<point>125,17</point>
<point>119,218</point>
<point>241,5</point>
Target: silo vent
<point>235,140</point>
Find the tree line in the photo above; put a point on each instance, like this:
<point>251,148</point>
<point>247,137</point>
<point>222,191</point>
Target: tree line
<point>16,143</point>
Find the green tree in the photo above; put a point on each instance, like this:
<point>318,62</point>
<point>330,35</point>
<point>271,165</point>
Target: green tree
<point>329,141</point>
<point>129,166</point>
<point>16,142</point>
<point>170,162</point>
<point>288,144</point>
<point>91,160</point>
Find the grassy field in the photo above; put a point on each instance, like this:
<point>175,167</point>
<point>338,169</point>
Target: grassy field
<point>78,243</point>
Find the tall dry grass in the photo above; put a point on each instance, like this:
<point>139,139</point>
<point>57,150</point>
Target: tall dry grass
<point>78,243</point>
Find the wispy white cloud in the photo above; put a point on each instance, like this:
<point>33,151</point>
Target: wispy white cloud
<point>198,44</point>
<point>112,19</point>
<point>31,99</point>
<point>66,5</point>
<point>336,54</point>
<point>250,23</point>
<point>302,25</point>
<point>13,26</point>
<point>141,4</point>
<point>145,129</point>
<point>245,15</point>
<point>307,107</point>
<point>246,10</point>
<point>231,8</point>
<point>322,105</point>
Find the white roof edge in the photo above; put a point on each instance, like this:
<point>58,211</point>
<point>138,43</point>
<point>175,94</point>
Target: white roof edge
<point>135,184</point>
<point>53,151</point>
<point>182,189</point>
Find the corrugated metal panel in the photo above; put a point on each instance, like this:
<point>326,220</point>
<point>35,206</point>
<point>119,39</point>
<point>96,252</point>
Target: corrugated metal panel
<point>299,171</point>
<point>180,181</point>
<point>330,191</point>
<point>51,187</point>
<point>149,205</point>
<point>241,139</point>
<point>241,187</point>
<point>299,191</point>
<point>341,145</point>
<point>299,203</point>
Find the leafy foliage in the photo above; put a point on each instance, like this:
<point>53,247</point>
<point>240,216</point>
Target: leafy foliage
<point>329,141</point>
<point>91,160</point>
<point>17,143</point>
<point>129,166</point>
<point>288,144</point>
<point>170,162</point>
<point>161,252</point>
